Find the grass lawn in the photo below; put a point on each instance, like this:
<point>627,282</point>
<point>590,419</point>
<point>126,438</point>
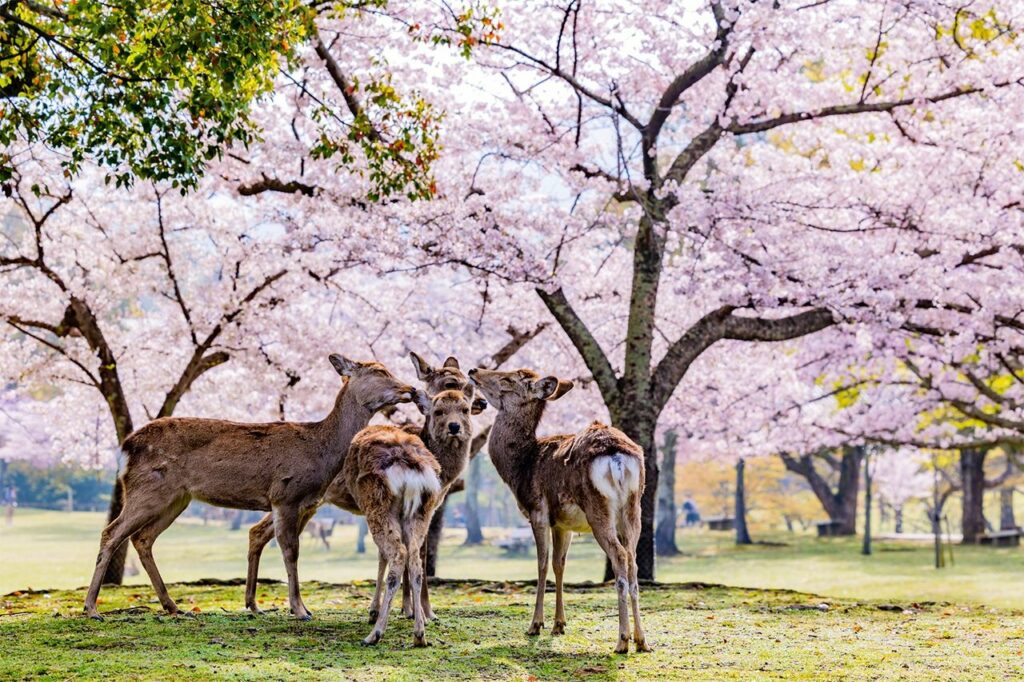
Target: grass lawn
<point>57,550</point>
<point>699,633</point>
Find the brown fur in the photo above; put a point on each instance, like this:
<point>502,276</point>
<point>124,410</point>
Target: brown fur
<point>552,480</point>
<point>284,467</point>
<point>435,380</point>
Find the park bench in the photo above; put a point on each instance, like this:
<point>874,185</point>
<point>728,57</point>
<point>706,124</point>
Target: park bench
<point>518,541</point>
<point>1001,538</point>
<point>720,523</point>
<point>828,529</point>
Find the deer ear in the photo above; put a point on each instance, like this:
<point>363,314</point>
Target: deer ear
<point>422,368</point>
<point>451,362</point>
<point>343,365</point>
<point>551,388</point>
<point>422,401</point>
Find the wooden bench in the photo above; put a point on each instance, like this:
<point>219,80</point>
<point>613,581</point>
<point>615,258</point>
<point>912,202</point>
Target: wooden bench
<point>721,523</point>
<point>1001,538</point>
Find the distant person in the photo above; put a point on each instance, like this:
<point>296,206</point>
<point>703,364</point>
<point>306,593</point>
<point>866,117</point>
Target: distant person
<point>692,516</point>
<point>10,502</point>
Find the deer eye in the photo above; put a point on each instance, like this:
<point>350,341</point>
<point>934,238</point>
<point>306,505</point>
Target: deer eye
<point>465,410</point>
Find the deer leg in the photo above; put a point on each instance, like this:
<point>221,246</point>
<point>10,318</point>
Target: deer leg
<point>540,535</point>
<point>560,540</point>
<point>382,567</point>
<point>286,530</point>
<point>407,610</point>
<point>417,535</point>
<point>428,612</point>
<point>607,538</point>
<point>631,531</point>
<point>387,535</point>
<point>143,541</point>
<point>259,536</point>
<point>113,536</point>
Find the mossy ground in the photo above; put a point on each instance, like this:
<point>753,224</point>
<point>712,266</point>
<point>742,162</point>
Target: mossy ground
<point>699,632</point>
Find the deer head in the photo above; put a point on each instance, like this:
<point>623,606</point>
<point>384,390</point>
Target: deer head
<point>518,389</point>
<point>371,384</point>
<point>448,413</point>
<point>447,377</point>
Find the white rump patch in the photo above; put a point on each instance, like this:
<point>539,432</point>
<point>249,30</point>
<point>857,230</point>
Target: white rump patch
<point>615,477</point>
<point>410,485</point>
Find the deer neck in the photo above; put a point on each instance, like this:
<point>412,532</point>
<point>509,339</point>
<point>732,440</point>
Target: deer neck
<point>347,418</point>
<point>451,453</point>
<point>513,446</point>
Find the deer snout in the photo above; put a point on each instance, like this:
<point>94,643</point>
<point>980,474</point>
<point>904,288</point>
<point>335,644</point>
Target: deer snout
<point>472,371</point>
<point>479,405</point>
<point>454,428</point>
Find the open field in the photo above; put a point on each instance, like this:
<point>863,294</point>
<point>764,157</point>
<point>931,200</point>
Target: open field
<point>706,633</point>
<point>57,550</point>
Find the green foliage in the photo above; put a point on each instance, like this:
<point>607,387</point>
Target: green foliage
<point>698,633</point>
<point>148,88</point>
<point>48,487</point>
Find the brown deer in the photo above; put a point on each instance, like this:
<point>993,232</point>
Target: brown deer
<point>283,467</point>
<point>435,379</point>
<point>590,481</point>
<point>397,482</point>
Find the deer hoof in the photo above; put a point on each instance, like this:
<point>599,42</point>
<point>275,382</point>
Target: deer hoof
<point>96,617</point>
<point>623,646</point>
<point>535,629</point>
<point>305,617</point>
<point>419,641</point>
<point>256,611</point>
<point>642,647</point>
<point>559,629</point>
<point>371,639</point>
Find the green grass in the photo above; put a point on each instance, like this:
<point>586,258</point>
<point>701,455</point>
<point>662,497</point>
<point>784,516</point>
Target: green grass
<point>702,633</point>
<point>57,550</point>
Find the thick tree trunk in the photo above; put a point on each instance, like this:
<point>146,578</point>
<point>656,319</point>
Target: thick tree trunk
<point>474,531</point>
<point>866,548</point>
<point>898,514</point>
<point>434,539</point>
<point>972,478</point>
<point>665,533</point>
<point>1006,517</point>
<point>115,569</point>
<point>361,536</point>
<point>236,520</point>
<point>742,534</point>
<point>840,504</point>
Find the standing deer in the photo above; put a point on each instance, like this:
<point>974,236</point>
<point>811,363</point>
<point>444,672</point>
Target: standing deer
<point>397,482</point>
<point>590,481</point>
<point>435,380</point>
<point>283,467</point>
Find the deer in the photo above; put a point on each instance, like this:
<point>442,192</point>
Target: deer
<point>398,480</point>
<point>590,481</point>
<point>281,467</point>
<point>435,379</point>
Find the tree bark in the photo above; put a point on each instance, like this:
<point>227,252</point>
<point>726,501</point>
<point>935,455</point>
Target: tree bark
<point>742,534</point>
<point>972,478</point>
<point>474,533</point>
<point>841,504</point>
<point>866,548</point>
<point>898,514</point>
<point>665,532</point>
<point>1007,521</point>
<point>361,536</point>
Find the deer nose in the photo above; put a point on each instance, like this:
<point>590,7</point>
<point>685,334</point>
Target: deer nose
<point>453,428</point>
<point>472,371</point>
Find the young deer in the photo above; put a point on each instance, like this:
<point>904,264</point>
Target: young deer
<point>283,467</point>
<point>397,482</point>
<point>435,380</point>
<point>590,481</point>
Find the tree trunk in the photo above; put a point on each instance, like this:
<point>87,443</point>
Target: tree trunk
<point>665,533</point>
<point>742,534</point>
<point>474,532</point>
<point>1006,517</point>
<point>898,514</point>
<point>236,520</point>
<point>866,548</point>
<point>434,538</point>
<point>972,477</point>
<point>841,504</point>
<point>361,537</point>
